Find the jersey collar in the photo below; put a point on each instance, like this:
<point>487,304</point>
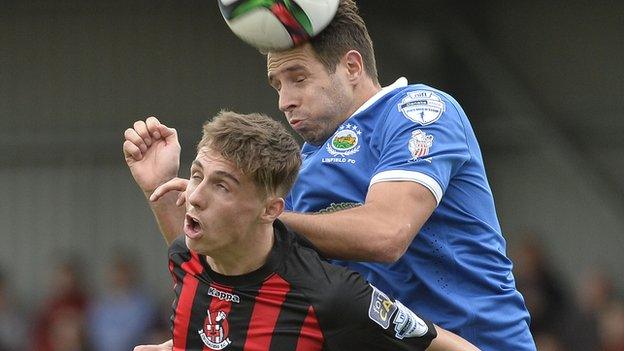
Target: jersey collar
<point>399,83</point>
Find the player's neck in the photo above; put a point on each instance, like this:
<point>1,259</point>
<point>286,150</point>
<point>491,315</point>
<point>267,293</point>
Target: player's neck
<point>363,92</point>
<point>245,256</point>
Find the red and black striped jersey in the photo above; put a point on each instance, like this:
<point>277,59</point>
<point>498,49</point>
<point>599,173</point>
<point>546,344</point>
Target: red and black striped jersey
<point>296,301</point>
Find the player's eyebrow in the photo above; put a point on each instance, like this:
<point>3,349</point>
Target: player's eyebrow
<point>289,69</point>
<point>218,173</point>
<point>228,175</point>
<point>196,163</point>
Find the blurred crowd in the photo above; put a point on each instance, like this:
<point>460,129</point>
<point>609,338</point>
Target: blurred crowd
<point>587,314</point>
<point>73,318</point>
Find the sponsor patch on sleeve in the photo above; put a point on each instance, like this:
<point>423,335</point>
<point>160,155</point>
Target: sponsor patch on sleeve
<point>381,308</point>
<point>407,324</point>
<point>422,106</point>
<point>419,144</point>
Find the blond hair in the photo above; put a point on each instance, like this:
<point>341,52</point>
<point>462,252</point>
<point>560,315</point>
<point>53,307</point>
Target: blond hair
<point>258,145</point>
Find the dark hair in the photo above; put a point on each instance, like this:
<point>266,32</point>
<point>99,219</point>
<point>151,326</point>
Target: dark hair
<point>347,31</point>
<point>258,145</point>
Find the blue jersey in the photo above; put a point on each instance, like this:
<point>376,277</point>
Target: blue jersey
<point>455,272</point>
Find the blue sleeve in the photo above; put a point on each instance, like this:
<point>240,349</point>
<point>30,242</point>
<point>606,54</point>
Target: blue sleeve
<point>288,206</point>
<point>422,139</point>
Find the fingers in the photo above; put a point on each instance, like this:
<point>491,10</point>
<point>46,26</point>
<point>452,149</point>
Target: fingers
<point>175,184</point>
<point>181,199</point>
<point>152,125</point>
<point>168,133</point>
<point>140,127</point>
<point>143,134</point>
<point>130,150</point>
<point>146,132</point>
<point>132,136</point>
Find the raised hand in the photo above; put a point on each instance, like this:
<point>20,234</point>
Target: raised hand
<point>152,152</point>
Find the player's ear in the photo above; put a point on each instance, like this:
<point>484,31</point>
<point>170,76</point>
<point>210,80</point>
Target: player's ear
<point>354,64</point>
<point>273,207</point>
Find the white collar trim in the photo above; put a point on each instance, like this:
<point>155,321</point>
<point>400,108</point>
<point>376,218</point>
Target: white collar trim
<point>399,83</point>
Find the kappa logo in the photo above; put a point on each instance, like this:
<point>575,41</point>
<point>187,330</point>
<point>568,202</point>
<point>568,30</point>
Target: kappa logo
<point>407,324</point>
<point>381,308</point>
<point>214,334</point>
<point>222,295</point>
<point>422,106</point>
<point>419,144</point>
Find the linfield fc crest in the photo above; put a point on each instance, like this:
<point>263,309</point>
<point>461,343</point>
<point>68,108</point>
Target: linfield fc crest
<point>215,331</point>
<point>420,143</point>
<point>422,106</point>
<point>344,143</point>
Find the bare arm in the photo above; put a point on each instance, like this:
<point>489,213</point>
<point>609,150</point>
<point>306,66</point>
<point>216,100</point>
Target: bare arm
<point>169,216</point>
<point>152,152</point>
<point>379,230</point>
<point>447,341</point>
<point>166,346</point>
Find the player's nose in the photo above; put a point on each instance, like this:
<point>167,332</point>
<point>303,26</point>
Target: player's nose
<point>195,198</point>
<point>287,101</point>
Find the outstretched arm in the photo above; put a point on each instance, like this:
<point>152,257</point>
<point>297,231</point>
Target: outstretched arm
<point>380,230</point>
<point>152,152</point>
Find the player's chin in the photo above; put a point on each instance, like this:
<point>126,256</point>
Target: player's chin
<point>194,245</point>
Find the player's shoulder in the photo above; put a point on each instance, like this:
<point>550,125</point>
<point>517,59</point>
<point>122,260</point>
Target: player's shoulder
<point>323,282</point>
<point>423,91</point>
<point>421,105</point>
<point>304,262</point>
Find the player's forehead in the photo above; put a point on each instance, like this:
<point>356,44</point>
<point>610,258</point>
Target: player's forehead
<point>299,58</point>
<point>210,160</point>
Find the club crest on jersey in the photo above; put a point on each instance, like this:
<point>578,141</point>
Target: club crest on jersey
<point>419,144</point>
<point>215,332</point>
<point>407,324</point>
<point>344,143</point>
<point>422,106</point>
<point>381,308</point>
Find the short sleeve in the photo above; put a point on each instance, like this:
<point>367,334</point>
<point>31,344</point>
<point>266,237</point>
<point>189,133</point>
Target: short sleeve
<point>367,319</point>
<point>421,139</point>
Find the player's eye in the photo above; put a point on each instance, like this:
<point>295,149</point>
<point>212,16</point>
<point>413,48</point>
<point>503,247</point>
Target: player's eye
<point>221,187</point>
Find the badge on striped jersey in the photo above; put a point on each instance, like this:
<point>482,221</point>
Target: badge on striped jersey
<point>381,308</point>
<point>215,331</point>
<point>407,324</point>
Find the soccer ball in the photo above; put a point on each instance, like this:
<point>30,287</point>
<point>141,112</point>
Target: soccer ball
<point>273,25</point>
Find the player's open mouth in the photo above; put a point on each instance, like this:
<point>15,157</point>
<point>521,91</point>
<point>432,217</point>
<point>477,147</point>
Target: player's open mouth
<point>192,227</point>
